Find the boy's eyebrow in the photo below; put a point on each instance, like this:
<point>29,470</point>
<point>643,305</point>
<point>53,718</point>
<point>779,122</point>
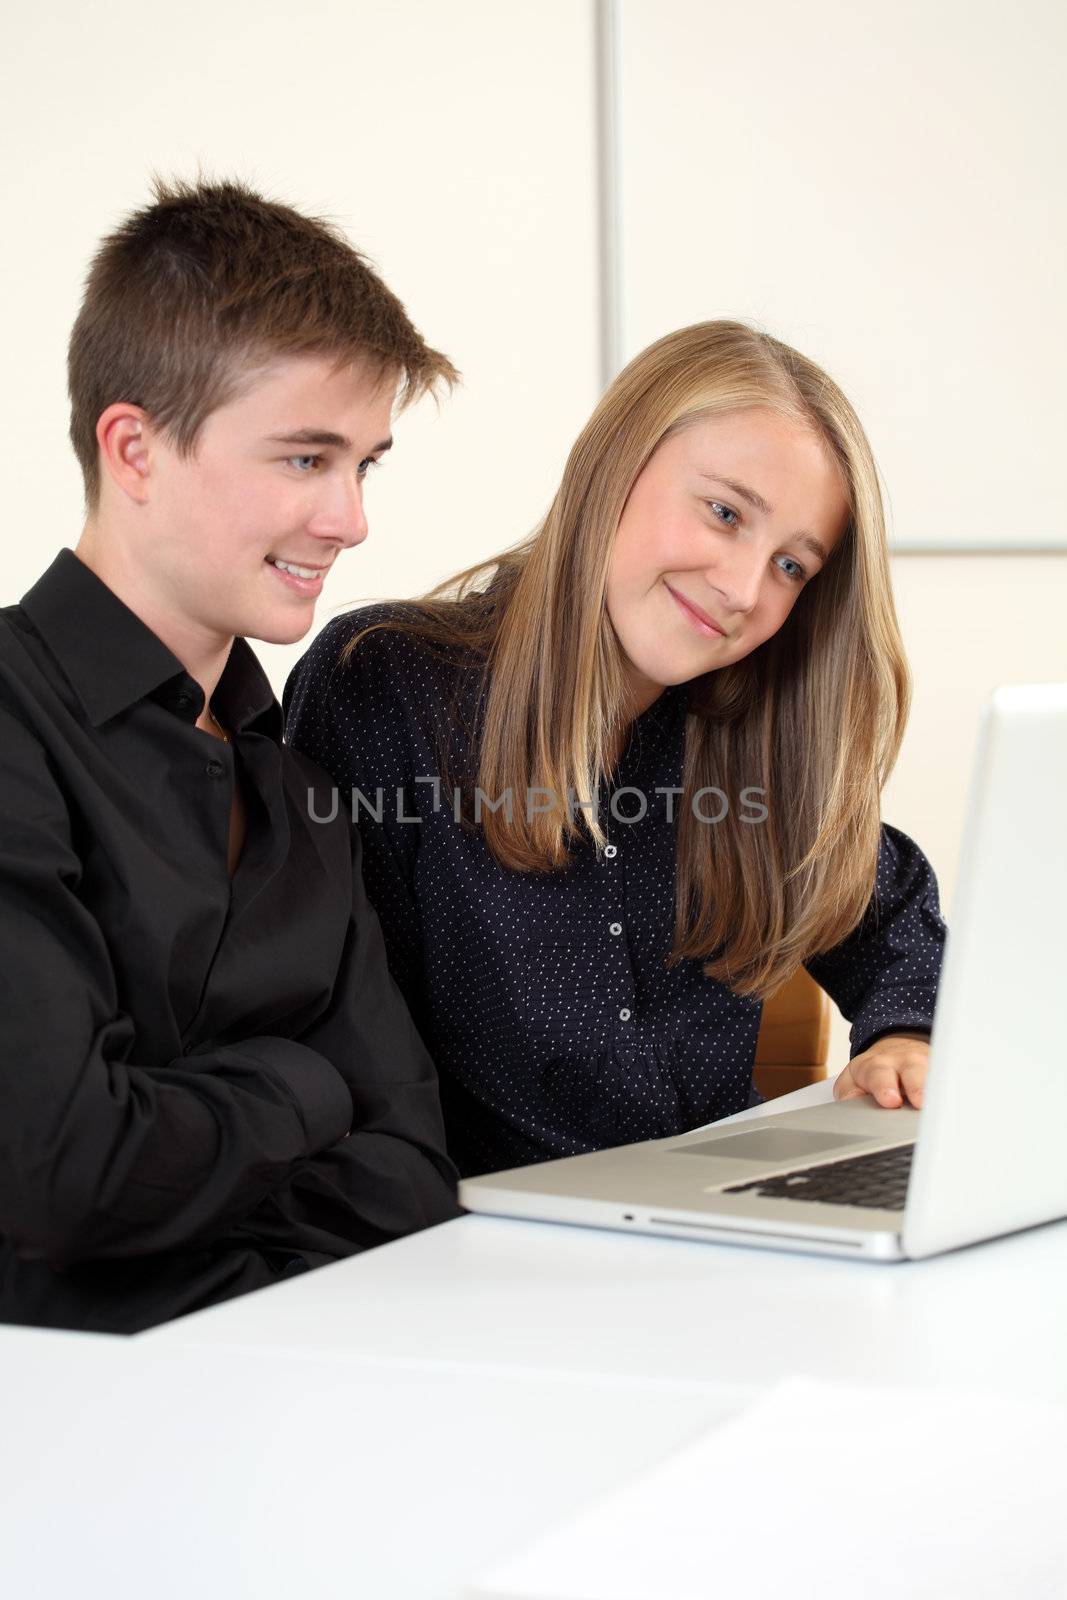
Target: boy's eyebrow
<point>809,540</point>
<point>321,436</point>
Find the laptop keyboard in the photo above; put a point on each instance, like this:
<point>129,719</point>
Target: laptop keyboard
<point>879,1180</point>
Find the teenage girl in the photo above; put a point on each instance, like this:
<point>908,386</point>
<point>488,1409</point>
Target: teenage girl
<point>617,783</point>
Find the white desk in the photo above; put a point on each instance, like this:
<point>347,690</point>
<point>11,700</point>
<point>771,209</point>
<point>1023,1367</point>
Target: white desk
<point>387,1427</point>
<point>145,1470</point>
<point>492,1295</point>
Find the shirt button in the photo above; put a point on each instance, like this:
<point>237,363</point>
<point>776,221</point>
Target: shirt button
<point>624,1014</point>
<point>616,927</point>
<point>611,851</point>
<point>184,700</point>
<point>215,769</point>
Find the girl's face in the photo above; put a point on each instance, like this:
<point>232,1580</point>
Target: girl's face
<point>728,521</point>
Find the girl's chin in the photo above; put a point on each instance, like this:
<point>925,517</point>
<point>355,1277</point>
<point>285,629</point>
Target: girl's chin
<point>667,672</point>
<point>646,684</point>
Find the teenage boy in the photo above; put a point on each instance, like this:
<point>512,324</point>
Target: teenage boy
<point>208,1080</point>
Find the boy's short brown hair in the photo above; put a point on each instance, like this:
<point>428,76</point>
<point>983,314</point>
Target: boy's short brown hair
<point>211,279</point>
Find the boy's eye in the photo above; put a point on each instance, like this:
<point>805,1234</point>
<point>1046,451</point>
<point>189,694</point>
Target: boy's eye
<point>306,465</point>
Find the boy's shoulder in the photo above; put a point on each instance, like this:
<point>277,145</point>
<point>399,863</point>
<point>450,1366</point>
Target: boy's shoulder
<point>15,632</point>
<point>30,684</point>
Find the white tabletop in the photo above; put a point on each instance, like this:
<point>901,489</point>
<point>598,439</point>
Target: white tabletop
<point>145,1470</point>
<point>391,1426</point>
<point>494,1295</point>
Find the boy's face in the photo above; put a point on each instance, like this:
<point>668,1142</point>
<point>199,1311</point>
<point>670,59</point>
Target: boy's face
<point>275,484</point>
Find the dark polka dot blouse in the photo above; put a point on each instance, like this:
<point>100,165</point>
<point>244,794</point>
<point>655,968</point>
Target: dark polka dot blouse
<point>544,998</point>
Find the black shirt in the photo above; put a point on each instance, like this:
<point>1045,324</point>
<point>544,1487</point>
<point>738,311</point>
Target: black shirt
<point>545,998</point>
<point>183,1055</point>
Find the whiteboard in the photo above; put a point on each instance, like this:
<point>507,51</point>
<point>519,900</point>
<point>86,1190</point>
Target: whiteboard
<point>880,185</point>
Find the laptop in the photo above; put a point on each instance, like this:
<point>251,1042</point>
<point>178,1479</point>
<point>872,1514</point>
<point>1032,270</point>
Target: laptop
<point>984,1156</point>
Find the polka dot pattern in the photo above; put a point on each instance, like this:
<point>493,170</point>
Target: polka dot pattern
<point>544,998</point>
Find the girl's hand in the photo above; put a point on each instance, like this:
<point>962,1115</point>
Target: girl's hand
<point>893,1070</point>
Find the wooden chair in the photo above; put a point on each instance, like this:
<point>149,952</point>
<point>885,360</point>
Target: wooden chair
<point>794,1038</point>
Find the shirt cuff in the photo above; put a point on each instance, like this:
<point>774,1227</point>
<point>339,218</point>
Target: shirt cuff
<point>322,1097</point>
<point>863,1039</point>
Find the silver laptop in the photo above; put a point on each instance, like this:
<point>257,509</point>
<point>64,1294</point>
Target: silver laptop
<point>986,1155</point>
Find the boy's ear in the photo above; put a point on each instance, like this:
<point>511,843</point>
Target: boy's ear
<point>125,436</point>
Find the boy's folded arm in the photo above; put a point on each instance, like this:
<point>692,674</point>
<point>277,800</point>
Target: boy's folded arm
<point>102,1155</point>
<point>393,1174</point>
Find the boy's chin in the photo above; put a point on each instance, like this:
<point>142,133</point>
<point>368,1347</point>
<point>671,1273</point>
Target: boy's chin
<point>282,630</point>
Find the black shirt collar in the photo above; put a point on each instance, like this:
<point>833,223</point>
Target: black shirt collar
<point>113,659</point>
<point>244,696</point>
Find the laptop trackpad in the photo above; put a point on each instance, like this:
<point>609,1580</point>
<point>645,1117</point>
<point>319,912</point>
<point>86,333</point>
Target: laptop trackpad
<point>769,1144</point>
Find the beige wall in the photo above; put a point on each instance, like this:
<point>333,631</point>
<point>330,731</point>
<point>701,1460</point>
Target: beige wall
<point>881,186</point>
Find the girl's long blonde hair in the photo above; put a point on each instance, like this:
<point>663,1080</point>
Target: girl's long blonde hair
<point>814,716</point>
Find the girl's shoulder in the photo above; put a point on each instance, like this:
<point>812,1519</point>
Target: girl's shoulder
<point>388,628</point>
<point>380,671</point>
<point>394,634</point>
<point>374,651</point>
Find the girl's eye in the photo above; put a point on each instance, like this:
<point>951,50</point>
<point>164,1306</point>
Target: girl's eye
<point>798,574</point>
<point>295,461</point>
<point>717,506</point>
<point>366,464</point>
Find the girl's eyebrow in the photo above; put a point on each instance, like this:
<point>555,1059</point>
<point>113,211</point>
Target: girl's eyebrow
<point>322,436</point>
<point>807,539</point>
